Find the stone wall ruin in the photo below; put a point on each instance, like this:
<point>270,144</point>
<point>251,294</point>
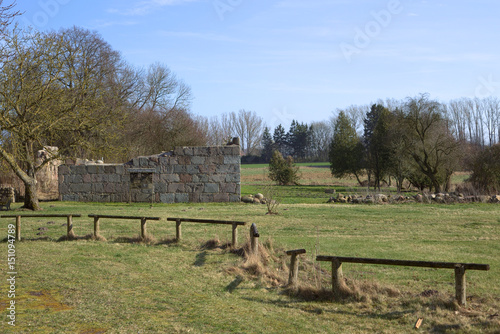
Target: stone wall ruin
<point>186,174</point>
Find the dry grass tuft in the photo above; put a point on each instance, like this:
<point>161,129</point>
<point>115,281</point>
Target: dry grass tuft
<point>264,265</point>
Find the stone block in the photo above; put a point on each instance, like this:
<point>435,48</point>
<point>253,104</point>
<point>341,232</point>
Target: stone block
<point>214,160</point>
<point>109,169</point>
<point>179,169</point>
<point>222,169</point>
<point>181,198</point>
<point>194,198</point>
<point>79,170</point>
<point>231,150</point>
<point>232,160</point>
<point>63,170</point>
<point>120,169</point>
<point>176,188</point>
<point>195,187</point>
<point>143,162</point>
<point>167,198</point>
<point>115,178</point>
<point>234,198</point>
<point>200,151</point>
<point>185,178</point>
<point>98,187</point>
<point>87,178</point>
<point>200,178</point>
<point>198,160</point>
<point>170,178</point>
<point>215,150</point>
<point>184,160</point>
<point>221,198</point>
<point>207,169</point>
<point>229,188</point>
<point>192,169</point>
<point>211,188</point>
<point>160,187</point>
<point>216,178</point>
<point>71,197</point>
<point>109,187</point>
<point>206,198</point>
<point>233,177</point>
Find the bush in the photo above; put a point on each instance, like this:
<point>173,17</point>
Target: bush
<point>283,171</point>
<point>486,170</point>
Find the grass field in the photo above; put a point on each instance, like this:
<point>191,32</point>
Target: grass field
<point>199,286</point>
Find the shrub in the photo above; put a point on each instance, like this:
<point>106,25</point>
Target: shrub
<point>486,170</point>
<point>283,171</point>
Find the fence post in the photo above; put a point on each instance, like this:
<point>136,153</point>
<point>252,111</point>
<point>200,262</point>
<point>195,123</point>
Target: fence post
<point>71,235</point>
<point>178,231</point>
<point>96,226</point>
<point>18,228</point>
<point>143,228</point>
<point>254,239</point>
<point>337,277</point>
<point>235,235</point>
<point>294,266</point>
<point>460,285</point>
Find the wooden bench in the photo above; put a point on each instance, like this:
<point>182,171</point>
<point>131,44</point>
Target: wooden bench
<point>460,268</point>
<point>234,224</point>
<point>142,219</point>
<point>69,218</point>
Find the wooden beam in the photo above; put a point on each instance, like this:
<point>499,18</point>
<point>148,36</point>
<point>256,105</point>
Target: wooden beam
<point>124,217</point>
<point>207,221</point>
<point>428,264</point>
<point>41,215</point>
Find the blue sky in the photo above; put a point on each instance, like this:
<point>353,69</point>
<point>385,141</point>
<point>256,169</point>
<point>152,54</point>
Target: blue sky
<point>297,59</point>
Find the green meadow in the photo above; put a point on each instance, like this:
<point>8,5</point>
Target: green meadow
<point>200,285</point>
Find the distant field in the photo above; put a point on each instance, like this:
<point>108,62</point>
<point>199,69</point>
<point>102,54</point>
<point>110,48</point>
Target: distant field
<point>315,179</point>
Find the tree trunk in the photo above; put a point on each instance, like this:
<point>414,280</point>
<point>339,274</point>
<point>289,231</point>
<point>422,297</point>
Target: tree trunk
<point>31,196</point>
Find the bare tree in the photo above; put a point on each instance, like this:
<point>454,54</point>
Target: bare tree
<point>52,91</point>
<point>249,127</point>
<point>7,14</point>
<point>322,134</point>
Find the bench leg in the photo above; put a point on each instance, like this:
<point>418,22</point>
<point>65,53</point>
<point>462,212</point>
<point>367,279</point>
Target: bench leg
<point>178,232</point>
<point>96,227</point>
<point>234,241</point>
<point>143,228</point>
<point>18,228</point>
<point>71,235</point>
<point>460,285</point>
<point>294,270</point>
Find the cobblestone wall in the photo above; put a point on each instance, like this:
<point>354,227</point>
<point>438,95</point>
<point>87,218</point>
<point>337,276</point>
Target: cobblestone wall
<point>186,174</point>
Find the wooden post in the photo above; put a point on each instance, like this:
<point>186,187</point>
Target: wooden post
<point>294,266</point>
<point>337,277</point>
<point>178,232</point>
<point>18,228</point>
<point>71,235</point>
<point>143,228</point>
<point>294,270</point>
<point>235,235</point>
<point>254,240</point>
<point>460,285</point>
<point>96,226</point>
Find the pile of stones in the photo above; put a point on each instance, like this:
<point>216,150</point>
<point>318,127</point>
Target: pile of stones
<point>254,199</point>
<point>444,198</point>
